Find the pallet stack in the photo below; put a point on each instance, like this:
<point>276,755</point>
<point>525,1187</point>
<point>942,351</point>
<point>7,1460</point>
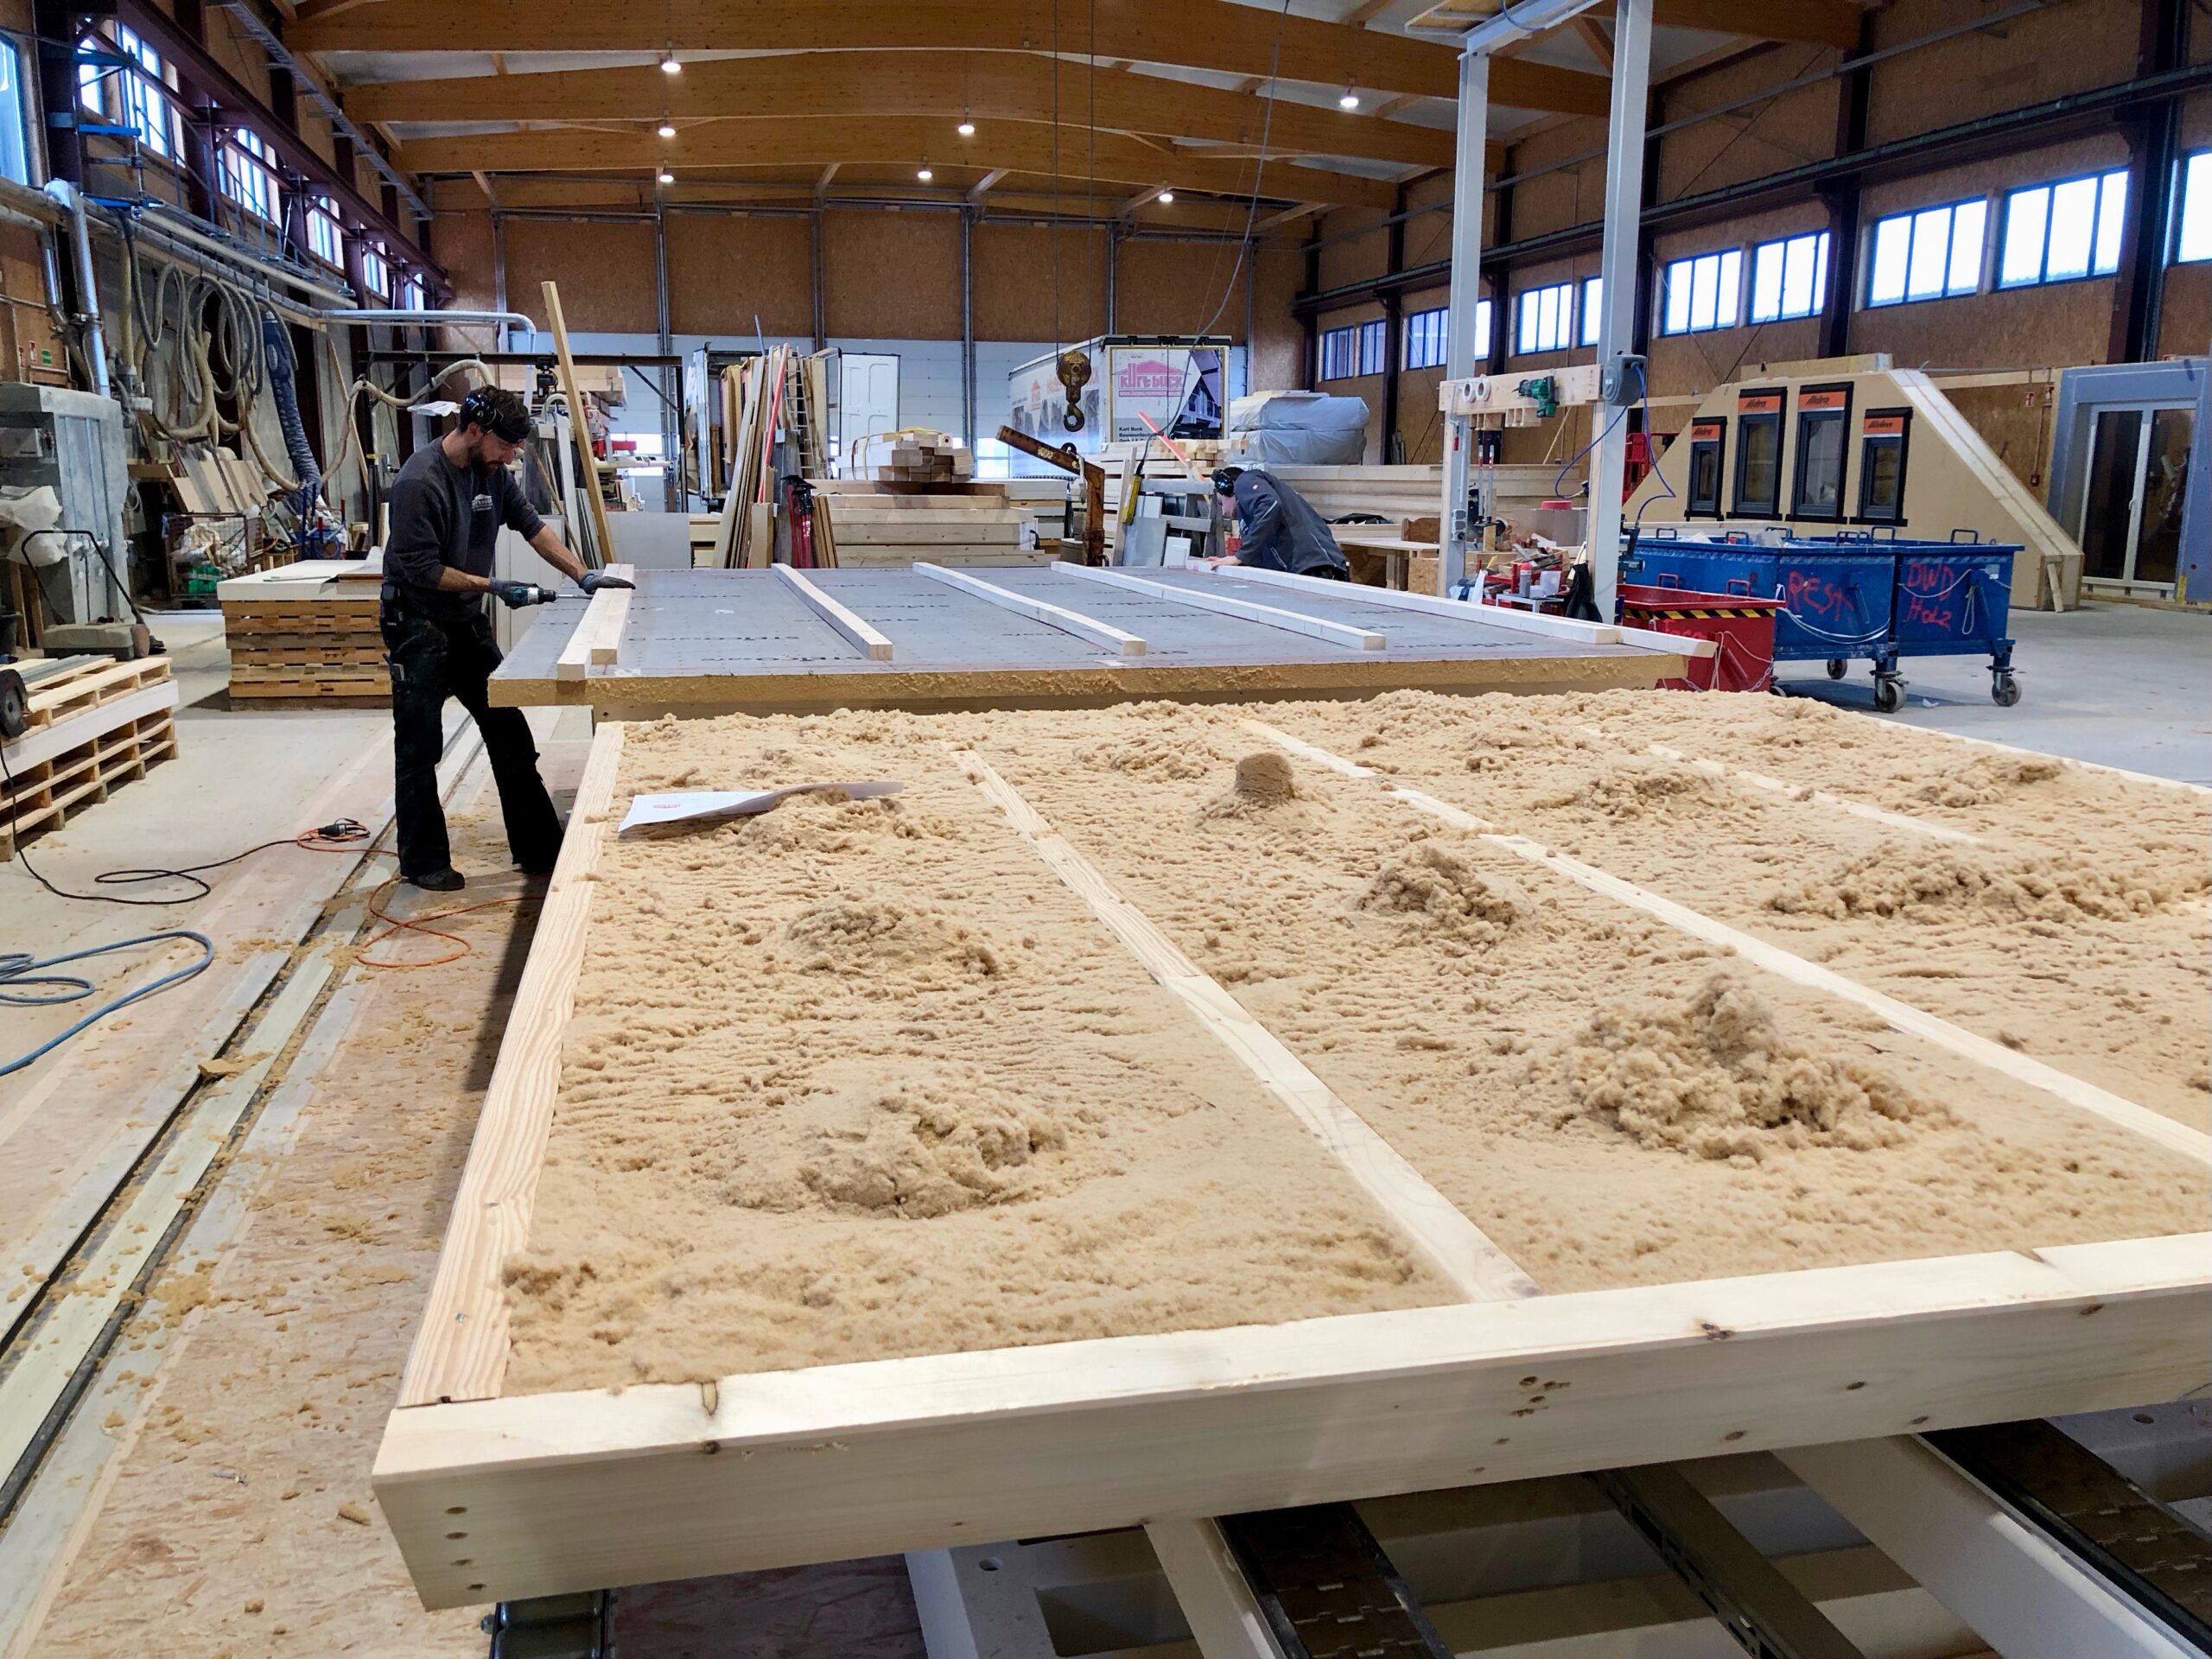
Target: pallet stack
<point>913,455</point>
<point>95,724</point>
<point>949,524</point>
<point>306,631</point>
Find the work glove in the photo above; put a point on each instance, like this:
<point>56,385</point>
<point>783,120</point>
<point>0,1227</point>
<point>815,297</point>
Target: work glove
<point>516,594</point>
<point>591,581</point>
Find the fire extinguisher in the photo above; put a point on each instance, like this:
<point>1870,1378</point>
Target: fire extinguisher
<point>799,510</point>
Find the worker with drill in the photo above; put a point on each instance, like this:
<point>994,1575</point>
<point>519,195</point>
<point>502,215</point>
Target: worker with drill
<point>1277,529</point>
<point>447,506</point>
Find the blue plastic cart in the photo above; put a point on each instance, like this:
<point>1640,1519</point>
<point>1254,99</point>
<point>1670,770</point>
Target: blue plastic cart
<point>1849,597</point>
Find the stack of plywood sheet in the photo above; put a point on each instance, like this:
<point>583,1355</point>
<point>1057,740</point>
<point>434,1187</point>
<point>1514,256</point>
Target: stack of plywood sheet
<point>95,724</point>
<point>913,455</point>
<point>306,629</point>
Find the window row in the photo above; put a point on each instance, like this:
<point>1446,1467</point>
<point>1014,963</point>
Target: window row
<point>1357,348</point>
<point>129,91</point>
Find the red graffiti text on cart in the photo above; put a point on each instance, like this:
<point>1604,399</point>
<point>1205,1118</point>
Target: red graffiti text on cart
<point>1806,592</point>
<point>1928,591</point>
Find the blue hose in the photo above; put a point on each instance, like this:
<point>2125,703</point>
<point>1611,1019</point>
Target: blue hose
<point>27,982</point>
<point>277,348</point>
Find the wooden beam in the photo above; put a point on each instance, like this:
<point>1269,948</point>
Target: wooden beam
<point>587,463</point>
<point>1428,1221</point>
<point>775,1468</point>
<point>2176,1137</point>
<point>1271,616</point>
<point>874,644</point>
<point>460,1346</point>
<point>1595,37</point>
<point>1214,35</point>
<point>1829,22</point>
<point>1118,641</point>
<point>982,186</point>
<point>937,86</point>
<point>484,183</point>
<point>1017,146</point>
<point>829,174</point>
<point>1151,193</point>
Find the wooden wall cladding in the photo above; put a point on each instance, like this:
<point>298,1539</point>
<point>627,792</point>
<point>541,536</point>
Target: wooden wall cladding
<point>460,239</point>
<point>605,271</point>
<point>1019,269</point>
<point>1180,288</point>
<point>724,270</point>
<point>1278,357</point>
<point>891,276</point>
<point>2026,59</point>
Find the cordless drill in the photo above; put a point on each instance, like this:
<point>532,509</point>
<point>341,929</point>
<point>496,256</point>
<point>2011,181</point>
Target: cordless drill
<point>516,594</point>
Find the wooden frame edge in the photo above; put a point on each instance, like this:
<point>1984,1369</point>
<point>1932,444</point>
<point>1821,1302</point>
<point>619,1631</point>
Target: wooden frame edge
<point>573,1492</point>
<point>460,1351</point>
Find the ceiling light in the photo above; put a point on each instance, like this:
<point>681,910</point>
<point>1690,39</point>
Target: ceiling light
<point>671,65</point>
<point>668,129</point>
<point>967,129</point>
<point>668,178</point>
<point>925,175</point>
<point>1349,101</point>
<point>1166,198</point>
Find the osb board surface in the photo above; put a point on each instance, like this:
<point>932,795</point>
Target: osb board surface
<point>891,276</point>
<point>744,640</point>
<point>798,1040</point>
<point>726,269</point>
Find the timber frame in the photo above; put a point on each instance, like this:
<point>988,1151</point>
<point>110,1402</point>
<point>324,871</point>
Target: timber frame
<point>495,1498</point>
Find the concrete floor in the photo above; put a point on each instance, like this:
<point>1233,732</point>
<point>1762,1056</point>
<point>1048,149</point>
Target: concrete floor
<point>2123,685</point>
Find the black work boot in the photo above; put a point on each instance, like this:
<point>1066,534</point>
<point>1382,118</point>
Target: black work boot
<point>446,880</point>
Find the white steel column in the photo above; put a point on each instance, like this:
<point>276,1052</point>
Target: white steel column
<point>1616,329</point>
<point>1472,155</point>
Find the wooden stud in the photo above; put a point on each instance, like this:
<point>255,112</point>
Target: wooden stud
<point>597,641</point>
<point>2193,1144</point>
<point>1052,616</point>
<point>460,1347</point>
<point>1313,627</point>
<point>1454,1245</point>
<point>1761,781</point>
<point>588,463</point>
<point>875,646</point>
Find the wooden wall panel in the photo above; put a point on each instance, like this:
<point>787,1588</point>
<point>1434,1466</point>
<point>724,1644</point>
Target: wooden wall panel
<point>2026,59</point>
<point>1016,282</point>
<point>606,273</point>
<point>727,270</point>
<point>891,276</point>
<point>460,240</point>
<point>1759,139</point>
<point>1361,253</point>
<point>1574,195</point>
<point>1176,287</point>
<point>1278,361</point>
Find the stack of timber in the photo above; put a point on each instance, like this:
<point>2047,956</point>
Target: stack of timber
<point>306,629</point>
<point>950,523</point>
<point>95,724</point>
<point>756,394</point>
<point>913,454</point>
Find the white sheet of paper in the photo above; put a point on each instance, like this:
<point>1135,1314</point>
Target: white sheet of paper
<point>703,805</point>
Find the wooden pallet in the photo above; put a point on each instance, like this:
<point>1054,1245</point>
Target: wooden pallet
<point>251,682</point>
<point>496,1497</point>
<point>83,683</point>
<point>49,791</point>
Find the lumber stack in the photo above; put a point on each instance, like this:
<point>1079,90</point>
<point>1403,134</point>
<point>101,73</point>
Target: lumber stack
<point>911,455</point>
<point>756,402</point>
<point>306,629</point>
<point>95,724</point>
<point>971,525</point>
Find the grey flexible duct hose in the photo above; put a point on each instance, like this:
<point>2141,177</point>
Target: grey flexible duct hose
<point>276,359</point>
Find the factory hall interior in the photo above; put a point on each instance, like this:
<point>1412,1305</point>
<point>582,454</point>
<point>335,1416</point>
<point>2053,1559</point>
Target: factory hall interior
<point>1106,830</point>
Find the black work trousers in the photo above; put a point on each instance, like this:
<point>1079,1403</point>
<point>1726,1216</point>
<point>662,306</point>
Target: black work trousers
<point>430,661</point>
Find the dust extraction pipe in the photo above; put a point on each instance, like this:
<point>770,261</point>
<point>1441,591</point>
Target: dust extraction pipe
<point>88,293</point>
